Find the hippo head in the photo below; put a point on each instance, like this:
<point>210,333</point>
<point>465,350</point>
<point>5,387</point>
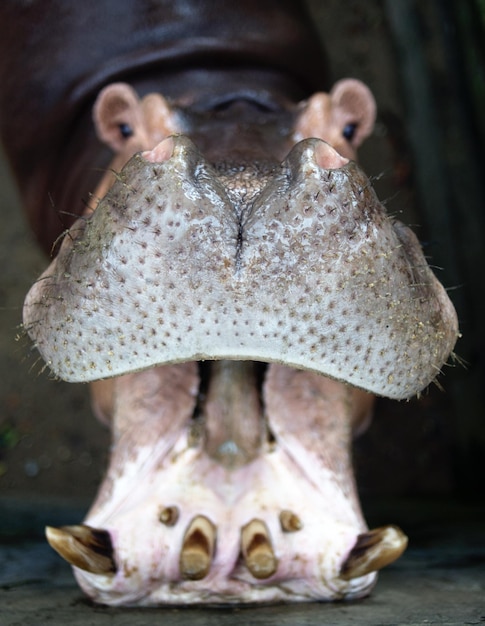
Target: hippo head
<point>235,313</point>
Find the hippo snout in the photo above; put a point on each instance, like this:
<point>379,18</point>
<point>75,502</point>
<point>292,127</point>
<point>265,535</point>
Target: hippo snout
<point>295,263</point>
<point>234,315</point>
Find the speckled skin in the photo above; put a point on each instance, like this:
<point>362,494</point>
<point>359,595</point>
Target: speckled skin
<point>295,264</point>
<point>307,270</point>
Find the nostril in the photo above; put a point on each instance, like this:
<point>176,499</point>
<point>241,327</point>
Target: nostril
<point>161,152</point>
<point>328,158</point>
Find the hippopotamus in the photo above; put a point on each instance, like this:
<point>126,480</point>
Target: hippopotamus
<point>236,295</point>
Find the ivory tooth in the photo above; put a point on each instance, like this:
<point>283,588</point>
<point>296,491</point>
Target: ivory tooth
<point>198,548</point>
<point>374,550</point>
<point>290,522</point>
<point>88,548</point>
<point>257,549</point>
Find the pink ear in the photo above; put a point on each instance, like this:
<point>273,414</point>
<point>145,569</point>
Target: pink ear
<point>353,103</point>
<point>343,118</point>
<point>159,119</point>
<point>117,115</point>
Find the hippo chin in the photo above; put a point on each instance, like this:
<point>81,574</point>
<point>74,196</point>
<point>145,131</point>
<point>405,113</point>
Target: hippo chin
<point>234,314</point>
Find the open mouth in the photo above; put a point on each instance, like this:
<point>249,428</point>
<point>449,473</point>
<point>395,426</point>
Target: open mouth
<point>230,411</point>
<point>226,307</point>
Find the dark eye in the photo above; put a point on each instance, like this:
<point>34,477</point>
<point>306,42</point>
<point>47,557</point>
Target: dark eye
<point>349,131</point>
<point>125,130</point>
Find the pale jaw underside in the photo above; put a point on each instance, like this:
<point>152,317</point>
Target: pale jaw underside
<point>176,266</point>
<point>182,525</point>
<point>271,534</point>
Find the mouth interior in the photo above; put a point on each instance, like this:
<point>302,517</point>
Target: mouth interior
<point>230,410</point>
<point>206,368</point>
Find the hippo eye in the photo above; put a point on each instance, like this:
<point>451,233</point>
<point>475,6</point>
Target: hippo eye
<point>125,130</point>
<point>349,131</point>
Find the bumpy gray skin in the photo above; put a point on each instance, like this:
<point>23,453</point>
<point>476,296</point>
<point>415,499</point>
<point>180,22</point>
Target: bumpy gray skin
<point>296,265</point>
<point>304,269</point>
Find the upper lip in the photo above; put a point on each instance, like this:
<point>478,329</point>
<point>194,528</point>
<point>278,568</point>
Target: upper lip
<point>325,281</point>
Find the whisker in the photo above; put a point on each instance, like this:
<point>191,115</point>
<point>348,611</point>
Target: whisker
<point>458,360</point>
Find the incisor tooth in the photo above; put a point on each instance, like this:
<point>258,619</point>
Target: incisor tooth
<point>374,550</point>
<point>88,548</point>
<point>257,550</point>
<point>198,548</point>
<point>169,515</point>
<point>290,522</point>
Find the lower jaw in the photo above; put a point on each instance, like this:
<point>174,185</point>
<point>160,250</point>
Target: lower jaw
<point>158,463</point>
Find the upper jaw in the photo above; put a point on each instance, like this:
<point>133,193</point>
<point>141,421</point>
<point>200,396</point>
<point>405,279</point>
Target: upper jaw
<point>311,273</point>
